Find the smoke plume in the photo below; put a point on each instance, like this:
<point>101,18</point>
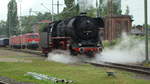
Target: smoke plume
<point>129,50</point>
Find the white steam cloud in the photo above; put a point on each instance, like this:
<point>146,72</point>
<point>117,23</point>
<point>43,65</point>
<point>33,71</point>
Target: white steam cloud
<point>129,50</point>
<point>63,57</point>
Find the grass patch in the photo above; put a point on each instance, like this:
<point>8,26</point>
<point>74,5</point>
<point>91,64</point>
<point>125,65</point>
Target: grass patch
<point>147,65</point>
<point>81,74</point>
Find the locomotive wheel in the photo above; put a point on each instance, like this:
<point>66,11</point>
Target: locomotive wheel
<point>45,55</point>
<point>73,53</point>
<point>90,54</point>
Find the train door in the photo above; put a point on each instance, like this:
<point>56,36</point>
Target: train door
<point>44,42</point>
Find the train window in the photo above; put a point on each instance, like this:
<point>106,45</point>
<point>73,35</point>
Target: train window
<point>33,36</point>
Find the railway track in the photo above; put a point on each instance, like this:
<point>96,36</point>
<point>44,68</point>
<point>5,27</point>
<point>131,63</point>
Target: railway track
<point>131,68</point>
<point>34,52</point>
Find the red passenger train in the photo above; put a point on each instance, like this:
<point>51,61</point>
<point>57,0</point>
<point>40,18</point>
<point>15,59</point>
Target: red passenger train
<point>29,40</point>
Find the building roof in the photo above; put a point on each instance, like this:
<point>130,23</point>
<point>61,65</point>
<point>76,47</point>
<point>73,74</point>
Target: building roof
<point>44,21</point>
<point>136,31</point>
<point>3,36</point>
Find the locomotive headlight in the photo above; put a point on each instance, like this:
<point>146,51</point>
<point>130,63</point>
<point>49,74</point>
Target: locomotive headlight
<point>98,44</point>
<point>79,44</point>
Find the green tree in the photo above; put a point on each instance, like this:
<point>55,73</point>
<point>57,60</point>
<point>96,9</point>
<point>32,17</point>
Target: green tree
<point>91,12</point>
<point>3,28</point>
<point>116,8</point>
<point>12,18</point>
<point>29,21</point>
<point>70,10</point>
<point>104,7</point>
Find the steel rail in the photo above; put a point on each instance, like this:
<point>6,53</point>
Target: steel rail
<point>142,70</point>
<point>25,51</point>
<point>130,66</point>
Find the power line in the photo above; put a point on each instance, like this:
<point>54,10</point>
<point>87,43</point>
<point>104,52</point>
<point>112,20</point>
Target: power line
<point>52,10</point>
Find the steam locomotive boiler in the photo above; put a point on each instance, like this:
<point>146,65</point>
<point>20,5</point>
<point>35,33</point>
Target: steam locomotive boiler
<point>79,35</point>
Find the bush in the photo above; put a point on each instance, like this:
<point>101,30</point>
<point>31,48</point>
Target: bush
<point>106,43</point>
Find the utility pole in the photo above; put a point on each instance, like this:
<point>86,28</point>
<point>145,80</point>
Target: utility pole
<point>20,25</point>
<point>146,32</point>
<point>97,8</point>
<point>30,11</point>
<point>110,14</point>
<point>100,7</point>
<point>110,6</point>
<point>52,11</point>
<point>9,30</point>
<point>58,7</point>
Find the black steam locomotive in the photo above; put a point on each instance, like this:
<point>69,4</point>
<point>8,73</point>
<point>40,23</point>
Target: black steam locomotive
<point>79,35</point>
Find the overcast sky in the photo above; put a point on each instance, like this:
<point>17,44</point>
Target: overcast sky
<point>136,8</point>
